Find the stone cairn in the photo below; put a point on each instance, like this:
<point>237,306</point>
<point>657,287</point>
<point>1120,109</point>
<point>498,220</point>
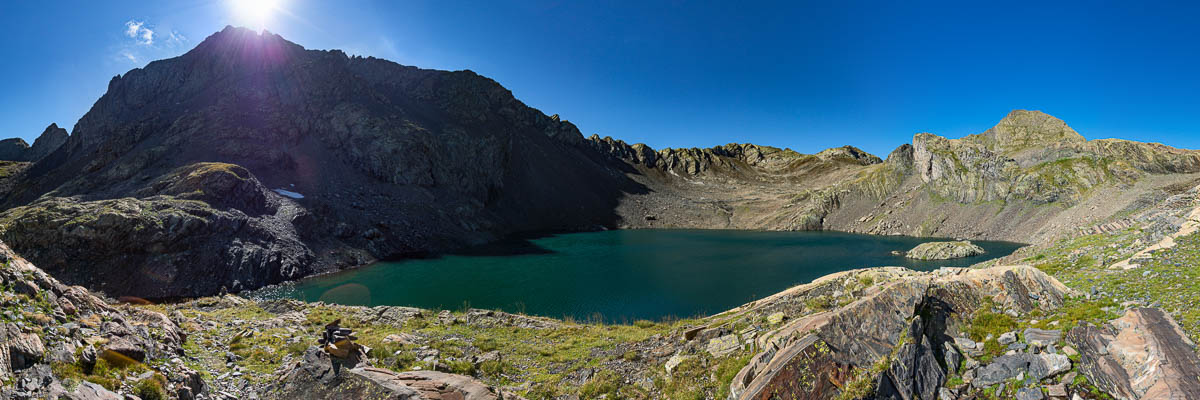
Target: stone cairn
<point>339,341</point>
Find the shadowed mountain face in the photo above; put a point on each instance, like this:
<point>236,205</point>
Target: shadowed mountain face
<point>251,160</point>
<point>169,180</point>
<point>16,149</point>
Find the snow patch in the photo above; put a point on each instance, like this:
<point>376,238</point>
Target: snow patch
<point>289,193</point>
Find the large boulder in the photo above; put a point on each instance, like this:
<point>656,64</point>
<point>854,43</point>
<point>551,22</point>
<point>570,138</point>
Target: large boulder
<point>92,391</point>
<point>24,349</point>
<point>1012,366</point>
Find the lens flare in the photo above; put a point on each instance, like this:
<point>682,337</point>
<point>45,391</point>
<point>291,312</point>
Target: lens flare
<point>255,14</point>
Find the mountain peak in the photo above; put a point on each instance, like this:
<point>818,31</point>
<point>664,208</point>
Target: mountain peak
<point>236,39</point>
<point>1026,128</point>
<point>50,139</point>
<point>849,153</point>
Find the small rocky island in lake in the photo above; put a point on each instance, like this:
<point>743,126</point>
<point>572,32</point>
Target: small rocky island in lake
<point>944,250</point>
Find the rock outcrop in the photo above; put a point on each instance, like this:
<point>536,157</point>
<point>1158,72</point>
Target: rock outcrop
<point>912,317</point>
<point>51,139</point>
<point>48,323</point>
<point>1141,355</point>
<point>198,230</point>
<point>319,376</point>
<point>14,149</point>
<point>944,250</point>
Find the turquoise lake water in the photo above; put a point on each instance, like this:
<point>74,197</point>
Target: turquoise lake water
<point>620,275</point>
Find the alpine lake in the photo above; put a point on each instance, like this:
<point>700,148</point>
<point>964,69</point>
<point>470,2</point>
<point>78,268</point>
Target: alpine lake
<point>618,275</point>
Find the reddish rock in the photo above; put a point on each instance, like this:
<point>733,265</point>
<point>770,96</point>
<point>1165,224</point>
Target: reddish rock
<point>1142,355</point>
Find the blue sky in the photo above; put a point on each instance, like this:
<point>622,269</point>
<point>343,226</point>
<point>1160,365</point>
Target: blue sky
<point>804,75</point>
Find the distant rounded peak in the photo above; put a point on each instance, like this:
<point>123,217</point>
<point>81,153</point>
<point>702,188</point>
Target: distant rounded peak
<point>1026,128</point>
<point>849,153</point>
<point>14,142</point>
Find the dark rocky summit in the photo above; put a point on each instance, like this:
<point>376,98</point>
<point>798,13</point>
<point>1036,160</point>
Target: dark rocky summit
<point>51,139</point>
<point>16,149</point>
<point>173,174</point>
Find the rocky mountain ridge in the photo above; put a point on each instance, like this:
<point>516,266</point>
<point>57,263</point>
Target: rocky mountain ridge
<point>390,161</point>
<point>16,149</point>
<point>251,160</point>
<point>1023,178</point>
<point>254,161</point>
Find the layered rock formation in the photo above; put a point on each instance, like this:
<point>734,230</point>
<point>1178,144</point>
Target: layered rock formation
<point>914,316</point>
<point>1142,355</point>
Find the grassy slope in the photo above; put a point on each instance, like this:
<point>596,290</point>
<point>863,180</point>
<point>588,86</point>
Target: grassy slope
<point>539,363</point>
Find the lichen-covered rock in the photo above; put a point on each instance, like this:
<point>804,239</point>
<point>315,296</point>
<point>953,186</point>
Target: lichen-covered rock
<point>944,250</point>
<point>722,346</point>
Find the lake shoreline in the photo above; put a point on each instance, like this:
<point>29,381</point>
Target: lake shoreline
<point>632,274</point>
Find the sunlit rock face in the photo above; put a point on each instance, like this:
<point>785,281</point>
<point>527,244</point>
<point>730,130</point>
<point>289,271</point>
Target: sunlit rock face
<point>1033,156</point>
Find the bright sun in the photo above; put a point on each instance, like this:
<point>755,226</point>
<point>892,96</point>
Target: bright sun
<point>256,14</point>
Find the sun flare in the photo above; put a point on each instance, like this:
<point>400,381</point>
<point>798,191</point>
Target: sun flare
<point>256,14</point>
